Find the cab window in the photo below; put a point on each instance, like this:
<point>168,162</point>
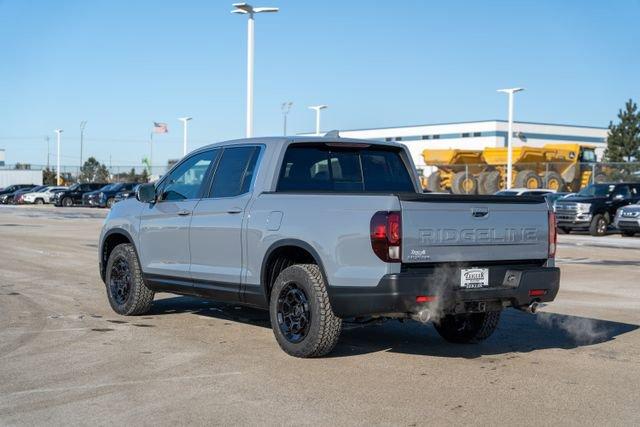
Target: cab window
<point>234,172</point>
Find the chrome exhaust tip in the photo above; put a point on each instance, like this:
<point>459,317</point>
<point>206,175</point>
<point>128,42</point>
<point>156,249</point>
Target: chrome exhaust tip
<point>423,316</point>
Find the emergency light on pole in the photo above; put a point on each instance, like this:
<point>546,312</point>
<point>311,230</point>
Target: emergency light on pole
<point>317,108</point>
<point>247,9</point>
<point>58,132</point>
<point>184,121</point>
<point>510,92</point>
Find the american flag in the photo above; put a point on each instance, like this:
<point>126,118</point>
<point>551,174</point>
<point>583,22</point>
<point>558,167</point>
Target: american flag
<point>160,127</point>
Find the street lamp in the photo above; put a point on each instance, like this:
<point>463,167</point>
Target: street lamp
<point>510,92</point>
<point>286,107</point>
<point>247,9</point>
<point>317,108</point>
<point>184,121</point>
<point>82,125</point>
<point>58,132</point>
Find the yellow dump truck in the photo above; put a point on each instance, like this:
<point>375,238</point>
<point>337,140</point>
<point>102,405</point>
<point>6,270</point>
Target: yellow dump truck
<point>554,166</point>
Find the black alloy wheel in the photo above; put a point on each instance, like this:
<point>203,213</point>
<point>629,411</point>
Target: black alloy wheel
<point>294,315</point>
<point>120,280</point>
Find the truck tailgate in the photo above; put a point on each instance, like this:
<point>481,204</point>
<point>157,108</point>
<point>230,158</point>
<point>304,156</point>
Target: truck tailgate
<point>444,228</point>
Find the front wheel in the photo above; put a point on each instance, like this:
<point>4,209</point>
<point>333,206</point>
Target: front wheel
<point>110,202</point>
<point>67,202</point>
<point>301,316</point>
<point>468,328</point>
<point>598,226</point>
<point>126,290</point>
<point>39,202</point>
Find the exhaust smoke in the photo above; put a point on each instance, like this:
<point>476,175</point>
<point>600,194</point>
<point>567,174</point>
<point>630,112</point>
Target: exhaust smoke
<point>580,329</point>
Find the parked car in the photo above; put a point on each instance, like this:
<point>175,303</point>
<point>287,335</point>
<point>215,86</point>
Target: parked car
<point>9,198</point>
<point>18,198</point>
<point>90,198</point>
<point>317,230</point>
<point>41,197</point>
<point>627,220</point>
<point>73,195</point>
<point>106,197</point>
<point>594,207</point>
<point>524,192</point>
<point>125,194</point>
<point>13,188</point>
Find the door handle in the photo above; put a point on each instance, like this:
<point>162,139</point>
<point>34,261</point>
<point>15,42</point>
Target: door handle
<point>234,210</point>
<point>184,212</point>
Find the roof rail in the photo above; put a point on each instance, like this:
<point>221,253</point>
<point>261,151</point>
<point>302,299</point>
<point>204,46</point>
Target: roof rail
<point>332,134</point>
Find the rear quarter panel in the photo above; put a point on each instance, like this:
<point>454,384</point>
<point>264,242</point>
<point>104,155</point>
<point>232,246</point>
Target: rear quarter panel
<point>336,226</point>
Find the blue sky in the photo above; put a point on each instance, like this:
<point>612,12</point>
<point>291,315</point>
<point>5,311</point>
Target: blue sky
<point>121,65</point>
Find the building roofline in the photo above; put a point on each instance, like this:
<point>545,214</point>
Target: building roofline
<point>472,121</point>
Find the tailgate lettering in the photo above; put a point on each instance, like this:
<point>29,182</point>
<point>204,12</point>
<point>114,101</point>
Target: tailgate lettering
<point>479,236</point>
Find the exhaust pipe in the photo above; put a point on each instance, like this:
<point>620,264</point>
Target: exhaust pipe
<point>422,316</point>
<point>531,308</point>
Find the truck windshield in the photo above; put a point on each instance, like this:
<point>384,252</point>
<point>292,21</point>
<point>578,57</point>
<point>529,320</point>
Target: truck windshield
<point>319,167</point>
<point>596,190</point>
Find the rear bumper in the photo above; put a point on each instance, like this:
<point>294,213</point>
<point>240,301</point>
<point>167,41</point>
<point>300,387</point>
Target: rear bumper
<point>396,293</point>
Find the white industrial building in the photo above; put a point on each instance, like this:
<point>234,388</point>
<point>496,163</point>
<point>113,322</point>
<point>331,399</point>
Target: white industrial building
<point>481,134</point>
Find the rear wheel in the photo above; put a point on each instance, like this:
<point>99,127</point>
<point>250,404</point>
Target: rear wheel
<point>464,183</point>
<point>67,202</point>
<point>598,226</point>
<point>434,182</point>
<point>552,180</point>
<point>528,179</point>
<point>301,316</point>
<point>468,328</point>
<point>126,290</point>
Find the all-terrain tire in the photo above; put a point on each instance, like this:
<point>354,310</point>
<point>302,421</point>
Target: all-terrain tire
<point>324,326</point>
<point>138,297</point>
<point>598,226</point>
<point>468,328</point>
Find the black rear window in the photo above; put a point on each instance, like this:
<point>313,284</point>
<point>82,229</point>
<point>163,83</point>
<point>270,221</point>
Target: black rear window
<point>329,168</point>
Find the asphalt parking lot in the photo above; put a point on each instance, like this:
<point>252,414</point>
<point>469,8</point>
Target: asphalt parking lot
<point>66,358</point>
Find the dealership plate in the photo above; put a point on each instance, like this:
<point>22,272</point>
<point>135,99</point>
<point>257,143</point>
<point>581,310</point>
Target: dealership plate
<point>474,278</point>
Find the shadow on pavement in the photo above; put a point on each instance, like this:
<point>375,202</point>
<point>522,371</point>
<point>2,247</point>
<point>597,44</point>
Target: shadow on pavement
<point>517,332</point>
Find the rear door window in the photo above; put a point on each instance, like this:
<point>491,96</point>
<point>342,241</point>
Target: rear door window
<point>322,168</point>
<point>234,172</point>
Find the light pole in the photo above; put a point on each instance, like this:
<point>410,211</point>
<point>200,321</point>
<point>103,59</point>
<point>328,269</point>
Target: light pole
<point>58,132</point>
<point>247,9</point>
<point>510,92</point>
<point>82,125</point>
<point>317,108</point>
<point>184,121</point>
<point>46,138</point>
<point>286,107</point>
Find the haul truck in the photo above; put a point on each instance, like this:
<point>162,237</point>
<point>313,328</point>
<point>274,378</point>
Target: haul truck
<point>554,166</point>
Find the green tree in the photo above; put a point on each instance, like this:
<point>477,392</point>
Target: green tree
<point>48,177</point>
<point>623,142</point>
<point>93,171</point>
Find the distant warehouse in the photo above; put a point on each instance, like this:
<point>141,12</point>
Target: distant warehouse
<point>482,134</point>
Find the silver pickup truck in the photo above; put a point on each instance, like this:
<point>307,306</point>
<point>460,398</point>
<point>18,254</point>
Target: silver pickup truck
<point>317,230</point>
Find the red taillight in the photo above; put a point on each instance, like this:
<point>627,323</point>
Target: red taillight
<point>386,235</point>
<point>537,292</point>
<point>425,298</point>
<point>553,234</point>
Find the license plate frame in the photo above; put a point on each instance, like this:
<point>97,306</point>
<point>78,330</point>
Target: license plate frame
<point>474,278</point>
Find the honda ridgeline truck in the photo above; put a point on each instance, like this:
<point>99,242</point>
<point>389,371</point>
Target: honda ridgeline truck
<point>317,230</point>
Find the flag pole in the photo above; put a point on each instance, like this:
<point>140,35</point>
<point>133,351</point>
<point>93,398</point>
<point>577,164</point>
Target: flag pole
<point>151,154</point>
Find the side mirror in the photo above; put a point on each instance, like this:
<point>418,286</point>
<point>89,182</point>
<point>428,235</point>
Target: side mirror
<point>146,193</point>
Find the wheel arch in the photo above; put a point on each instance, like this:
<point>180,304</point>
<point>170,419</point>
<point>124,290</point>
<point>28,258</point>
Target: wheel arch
<point>295,250</point>
<point>110,240</point>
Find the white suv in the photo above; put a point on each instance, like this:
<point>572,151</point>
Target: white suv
<point>41,197</point>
